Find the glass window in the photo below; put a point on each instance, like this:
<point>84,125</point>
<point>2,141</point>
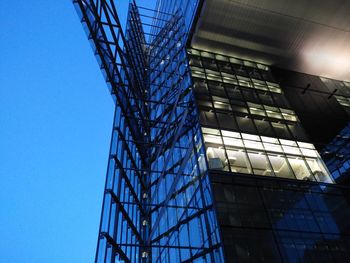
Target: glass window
<point>193,52</point>
<point>217,89</point>
<point>245,125</point>
<point>236,61</point>
<point>226,121</point>
<point>309,152</point>
<point>269,139</point>
<point>233,92</point>
<point>267,75</point>
<point>245,82</point>
<point>261,155</point>
<point>266,98</point>
<point>233,142</point>
<point>211,131</point>
<point>274,87</point>
<point>217,159</point>
<point>281,130</point>
<point>256,109</point>
<point>263,67</point>
<point>318,170</point>
<point>195,61</point>
<point>270,147</point>
<point>291,150</point>
<point>200,87</point>
<point>306,145</point>
<point>193,68</point>
<point>250,95</point>
<point>221,99</point>
<point>204,103</point>
<point>214,77</point>
<point>264,127</point>
<point>222,106</point>
<point>208,118</point>
<point>207,54</point>
<point>288,142</point>
<point>208,138</point>
<point>297,131</point>
<point>254,73</point>
<point>221,58</point>
<point>253,145</point>
<point>249,64</point>
<point>273,112</point>
<point>288,115</point>
<point>280,166</point>
<point>259,84</point>
<point>250,137</point>
<point>300,169</point>
<point>231,134</point>
<point>239,107</point>
<point>238,161</point>
<point>198,74</point>
<point>259,163</point>
<point>228,78</point>
<point>280,100</point>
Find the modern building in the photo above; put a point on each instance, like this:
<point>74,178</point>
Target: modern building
<point>230,139</point>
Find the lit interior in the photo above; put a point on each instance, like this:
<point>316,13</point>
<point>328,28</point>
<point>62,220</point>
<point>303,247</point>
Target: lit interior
<point>260,155</point>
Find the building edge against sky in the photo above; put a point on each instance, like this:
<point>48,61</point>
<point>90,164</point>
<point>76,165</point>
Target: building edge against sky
<point>215,158</point>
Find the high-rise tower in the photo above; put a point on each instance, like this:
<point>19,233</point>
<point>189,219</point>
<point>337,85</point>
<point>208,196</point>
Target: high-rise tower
<point>220,144</point>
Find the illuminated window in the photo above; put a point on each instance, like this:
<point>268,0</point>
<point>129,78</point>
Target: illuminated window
<point>280,166</point>
<point>217,159</point>
<point>300,169</point>
<point>260,163</point>
<point>262,155</point>
<point>238,161</point>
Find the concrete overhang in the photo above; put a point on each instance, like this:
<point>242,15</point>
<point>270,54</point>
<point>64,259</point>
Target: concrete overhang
<point>310,36</point>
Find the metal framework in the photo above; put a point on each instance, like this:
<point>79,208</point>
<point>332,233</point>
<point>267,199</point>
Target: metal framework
<point>158,204</point>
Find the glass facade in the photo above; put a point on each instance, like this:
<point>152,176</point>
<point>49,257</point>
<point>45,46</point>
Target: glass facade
<point>336,153</point>
<point>158,200</point>
<point>265,220</point>
<point>247,123</point>
<point>337,156</point>
<point>209,162</point>
<point>341,89</point>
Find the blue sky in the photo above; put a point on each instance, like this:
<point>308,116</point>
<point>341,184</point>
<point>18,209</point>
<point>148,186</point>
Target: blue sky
<point>55,125</point>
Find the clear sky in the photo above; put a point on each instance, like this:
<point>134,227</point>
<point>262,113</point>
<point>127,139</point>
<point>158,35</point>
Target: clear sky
<point>55,125</point>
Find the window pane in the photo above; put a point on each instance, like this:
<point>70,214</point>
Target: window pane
<point>233,142</point>
<point>245,125</point>
<point>264,127</point>
<point>217,159</point>
<point>318,170</point>
<point>259,163</point>
<point>226,121</point>
<point>238,161</point>
<point>300,169</point>
<point>208,118</point>
<point>281,130</point>
<point>280,166</point>
<point>270,147</point>
<point>212,139</point>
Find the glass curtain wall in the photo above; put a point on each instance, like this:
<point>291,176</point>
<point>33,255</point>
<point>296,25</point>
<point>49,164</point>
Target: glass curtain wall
<point>282,221</point>
<point>183,225</point>
<point>248,125</point>
<point>341,89</point>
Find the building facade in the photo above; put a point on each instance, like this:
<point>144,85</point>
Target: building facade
<point>216,156</point>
